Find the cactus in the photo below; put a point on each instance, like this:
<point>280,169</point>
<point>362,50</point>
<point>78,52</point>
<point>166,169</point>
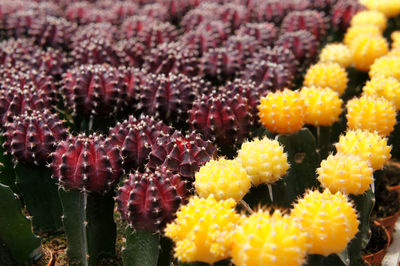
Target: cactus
<point>15,231</point>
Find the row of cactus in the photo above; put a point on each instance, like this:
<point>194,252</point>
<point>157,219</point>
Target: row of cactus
<point>190,81</point>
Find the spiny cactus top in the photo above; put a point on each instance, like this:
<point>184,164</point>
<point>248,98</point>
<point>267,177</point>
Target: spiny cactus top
<point>16,50</point>
<point>309,20</point>
<point>91,90</point>
<point>132,26</point>
<point>32,136</point>
<point>101,31</point>
<point>371,113</point>
<point>150,200</point>
<point>370,17</point>
<point>303,44</point>
<point>264,160</point>
<point>264,239</point>
<point>130,52</point>
<point>222,178</point>
<point>365,49</point>
<point>271,11</point>
<point>157,33</point>
<point>282,112</point>
<point>88,163</point>
<point>323,106</point>
<point>330,75</point>
<point>342,13</point>
<point>199,40</point>
<point>370,146</point>
<point>357,31</point>
<point>203,230</point>
<point>388,66</point>
<point>347,173</point>
<point>336,53</point>
<point>181,154</point>
<point>264,33</point>
<point>221,116</point>
<point>330,221</point>
<point>395,36</point>
<point>390,8</point>
<point>387,87</point>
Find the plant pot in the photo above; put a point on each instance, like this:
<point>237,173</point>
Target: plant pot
<point>377,257</point>
<point>389,222</point>
<point>395,188</point>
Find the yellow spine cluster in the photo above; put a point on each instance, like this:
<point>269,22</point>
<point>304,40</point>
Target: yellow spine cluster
<point>371,113</point>
<point>203,230</point>
<point>336,53</point>
<point>370,17</point>
<point>368,145</point>
<point>282,112</point>
<point>346,173</point>
<point>223,178</point>
<point>388,66</point>
<point>365,49</point>
<point>395,36</point>
<point>387,87</point>
<point>390,8</point>
<point>264,239</point>
<point>329,220</point>
<point>323,106</point>
<point>330,75</point>
<point>357,31</point>
<point>264,160</point>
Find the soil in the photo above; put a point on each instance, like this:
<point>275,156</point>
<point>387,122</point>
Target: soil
<point>386,204</point>
<point>391,174</point>
<point>378,240</point>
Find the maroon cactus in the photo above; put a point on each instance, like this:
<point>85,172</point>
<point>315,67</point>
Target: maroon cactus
<point>234,15</point>
<point>223,117</point>
<point>150,200</point>
<point>265,33</point>
<point>101,30</point>
<point>135,137</point>
<point>132,81</point>
<point>158,33</point>
<point>342,13</point>
<point>303,45</point>
<point>50,61</point>
<point>97,15</point>
<point>199,40</point>
<point>77,11</point>
<point>16,50</point>
<point>172,58</point>
<point>132,26</point>
<point>272,11</point>
<point>309,20</point>
<point>91,90</point>
<point>88,163</point>
<point>217,28</point>
<point>299,5</point>
<point>32,136</point>
<point>194,17</point>
<point>278,55</point>
<point>176,8</point>
<point>323,5</point>
<point>183,155</point>
<point>154,11</point>
<point>245,45</point>
<point>18,23</point>
<point>122,10</point>
<point>94,51</point>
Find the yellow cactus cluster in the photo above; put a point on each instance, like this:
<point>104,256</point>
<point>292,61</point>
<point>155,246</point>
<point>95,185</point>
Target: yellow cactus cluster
<point>330,75</point>
<point>368,145</point>
<point>264,160</point>
<point>371,113</point>
<point>282,112</point>
<point>223,178</point>
<point>203,230</point>
<point>264,239</point>
<point>390,8</point>
<point>356,31</point>
<point>329,220</point>
<point>336,53</point>
<point>395,36</point>
<point>388,66</point>
<point>346,173</point>
<point>323,106</point>
<point>370,17</point>
<point>387,87</point>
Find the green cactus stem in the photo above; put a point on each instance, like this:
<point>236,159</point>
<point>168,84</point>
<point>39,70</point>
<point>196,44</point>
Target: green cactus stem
<point>40,196</point>
<point>89,226</point>
<point>16,237</point>
<point>142,248</point>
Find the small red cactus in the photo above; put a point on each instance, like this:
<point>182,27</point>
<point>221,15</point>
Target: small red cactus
<point>342,13</point>
<point>94,51</point>
<point>13,51</point>
<point>130,52</point>
<point>91,90</point>
<point>183,155</point>
<point>50,61</point>
<point>123,9</point>
<point>18,23</point>
<point>245,45</point>
<point>32,136</point>
<point>77,11</point>
<point>158,33</point>
<point>194,17</point>
<point>154,11</point>
<point>265,33</point>
<point>101,30</point>
<point>133,80</point>
<point>309,20</point>
<point>199,40</point>
<point>303,45</point>
<point>278,55</point>
<point>133,26</point>
<point>271,11</point>
<point>217,28</point>
<point>88,163</point>
<point>97,15</point>
<point>222,116</point>
<point>150,200</point>
<point>234,15</point>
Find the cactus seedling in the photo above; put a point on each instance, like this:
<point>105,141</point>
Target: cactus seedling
<point>336,53</point>
<point>387,87</point>
<point>370,17</point>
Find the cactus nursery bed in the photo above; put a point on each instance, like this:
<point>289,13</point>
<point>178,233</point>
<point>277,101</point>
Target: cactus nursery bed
<point>194,132</point>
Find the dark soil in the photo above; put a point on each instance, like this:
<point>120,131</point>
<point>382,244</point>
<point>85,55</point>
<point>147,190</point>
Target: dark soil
<point>391,174</point>
<point>386,204</point>
<point>378,240</point>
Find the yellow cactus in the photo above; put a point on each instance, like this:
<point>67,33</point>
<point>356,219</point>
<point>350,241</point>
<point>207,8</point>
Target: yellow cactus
<point>371,113</point>
<point>323,106</point>
<point>336,53</point>
<point>365,49</point>
<point>223,178</point>
<point>357,31</point>
<point>329,220</point>
<point>330,75</point>
<point>203,229</point>
<point>347,173</point>
<point>264,239</point>
<point>390,8</point>
<point>388,66</point>
<point>395,36</point>
<point>368,145</point>
<point>394,52</point>
<point>282,112</point>
<point>387,87</point>
<point>369,17</point>
<point>264,160</point>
